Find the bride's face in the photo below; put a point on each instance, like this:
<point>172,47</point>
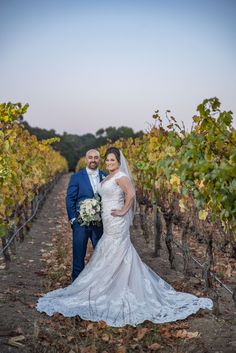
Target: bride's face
<point>112,163</point>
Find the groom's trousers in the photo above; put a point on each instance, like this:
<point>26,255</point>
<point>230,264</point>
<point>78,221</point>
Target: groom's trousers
<point>81,234</point>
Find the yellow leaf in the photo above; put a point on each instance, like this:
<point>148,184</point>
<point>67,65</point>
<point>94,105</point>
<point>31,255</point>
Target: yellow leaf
<point>175,183</point>
<point>174,180</point>
<point>202,214</point>
<point>201,184</point>
<point>182,205</point>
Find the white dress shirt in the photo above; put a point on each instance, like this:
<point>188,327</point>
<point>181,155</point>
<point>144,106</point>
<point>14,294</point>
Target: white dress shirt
<point>94,178</point>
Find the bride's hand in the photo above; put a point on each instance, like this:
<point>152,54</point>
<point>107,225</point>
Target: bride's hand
<point>117,213</point>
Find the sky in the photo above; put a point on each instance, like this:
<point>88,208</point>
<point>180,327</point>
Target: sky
<point>82,65</point>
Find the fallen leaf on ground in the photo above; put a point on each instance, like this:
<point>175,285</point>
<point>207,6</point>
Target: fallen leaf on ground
<point>105,337</point>
<point>101,324</point>
<point>154,346</point>
<point>121,349</point>
<point>134,346</point>
<point>89,349</point>
<point>15,341</point>
<point>90,326</point>
<point>186,334</point>
<point>38,294</point>
<point>142,332</point>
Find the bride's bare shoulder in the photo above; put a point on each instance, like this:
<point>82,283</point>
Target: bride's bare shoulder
<point>121,174</point>
<point>121,178</point>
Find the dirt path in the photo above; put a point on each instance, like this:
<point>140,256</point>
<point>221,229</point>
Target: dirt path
<point>43,263</point>
<point>22,283</point>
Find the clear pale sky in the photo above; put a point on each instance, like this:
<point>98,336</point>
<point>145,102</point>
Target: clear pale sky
<point>83,65</point>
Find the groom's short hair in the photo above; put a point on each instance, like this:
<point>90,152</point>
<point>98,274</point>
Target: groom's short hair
<point>92,149</point>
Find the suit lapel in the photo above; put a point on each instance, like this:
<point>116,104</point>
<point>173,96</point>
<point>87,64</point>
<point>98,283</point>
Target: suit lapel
<point>100,175</point>
<point>88,181</point>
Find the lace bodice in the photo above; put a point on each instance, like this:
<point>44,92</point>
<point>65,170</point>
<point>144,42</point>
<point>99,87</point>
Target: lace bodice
<point>112,198</point>
<point>111,193</point>
<point>110,190</point>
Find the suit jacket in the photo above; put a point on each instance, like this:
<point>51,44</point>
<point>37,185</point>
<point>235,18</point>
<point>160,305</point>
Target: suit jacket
<point>79,189</point>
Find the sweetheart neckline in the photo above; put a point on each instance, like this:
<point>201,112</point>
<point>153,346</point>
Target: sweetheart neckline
<point>104,180</point>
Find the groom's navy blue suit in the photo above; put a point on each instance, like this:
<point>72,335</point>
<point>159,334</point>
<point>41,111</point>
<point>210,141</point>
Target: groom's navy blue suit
<point>79,189</point>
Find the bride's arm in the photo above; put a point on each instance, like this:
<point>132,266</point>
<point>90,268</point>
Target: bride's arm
<point>126,185</point>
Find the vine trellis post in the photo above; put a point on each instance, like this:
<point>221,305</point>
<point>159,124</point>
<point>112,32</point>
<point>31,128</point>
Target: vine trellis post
<point>186,253</point>
<point>168,216</point>
<point>157,229</point>
<point>143,221</point>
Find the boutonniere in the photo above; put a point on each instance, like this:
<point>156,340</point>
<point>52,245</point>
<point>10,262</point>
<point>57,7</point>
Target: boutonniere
<point>103,176</point>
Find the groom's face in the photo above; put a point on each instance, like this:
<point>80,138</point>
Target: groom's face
<point>92,160</point>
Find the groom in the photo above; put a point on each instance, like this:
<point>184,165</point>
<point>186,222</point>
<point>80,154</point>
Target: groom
<point>83,185</point>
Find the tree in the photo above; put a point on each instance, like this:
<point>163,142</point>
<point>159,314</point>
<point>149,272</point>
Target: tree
<point>72,146</point>
<point>100,132</point>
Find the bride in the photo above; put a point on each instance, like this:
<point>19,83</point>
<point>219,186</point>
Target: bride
<point>116,286</point>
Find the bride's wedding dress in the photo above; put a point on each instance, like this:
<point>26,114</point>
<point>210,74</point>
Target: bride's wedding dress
<point>116,286</point>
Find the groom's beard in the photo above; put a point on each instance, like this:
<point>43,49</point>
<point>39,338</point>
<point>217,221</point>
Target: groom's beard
<point>93,165</point>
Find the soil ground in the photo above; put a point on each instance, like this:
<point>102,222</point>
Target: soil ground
<point>43,262</point>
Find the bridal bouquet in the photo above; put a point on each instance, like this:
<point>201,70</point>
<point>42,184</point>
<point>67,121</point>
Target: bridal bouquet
<point>90,212</point>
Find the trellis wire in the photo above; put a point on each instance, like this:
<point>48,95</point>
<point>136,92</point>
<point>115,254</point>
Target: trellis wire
<point>198,263</point>
<point>232,292</point>
<point>29,219</point>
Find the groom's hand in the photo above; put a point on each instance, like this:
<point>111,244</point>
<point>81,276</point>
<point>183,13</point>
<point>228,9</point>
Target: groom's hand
<point>72,222</point>
<point>117,213</point>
